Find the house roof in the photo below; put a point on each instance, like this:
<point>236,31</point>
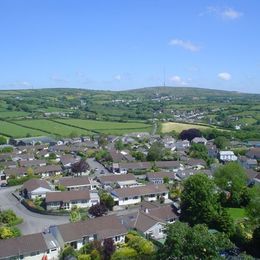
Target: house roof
<point>33,184</point>
<point>140,190</point>
<point>22,245</point>
<point>147,217</point>
<point>167,164</point>
<point>69,159</point>
<point>116,178</point>
<point>103,227</point>
<point>74,181</point>
<point>254,153</point>
<point>135,165</point>
<point>31,163</point>
<point>67,196</point>
<point>160,175</point>
<point>47,169</point>
<point>15,171</point>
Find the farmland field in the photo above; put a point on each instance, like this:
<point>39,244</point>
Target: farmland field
<point>65,127</point>
<point>178,127</point>
<point>10,129</point>
<point>52,127</point>
<point>12,114</point>
<point>107,127</point>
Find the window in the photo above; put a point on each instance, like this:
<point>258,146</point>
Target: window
<point>117,238</point>
<point>125,198</point>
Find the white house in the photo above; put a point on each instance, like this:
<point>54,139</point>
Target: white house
<point>134,195</point>
<point>69,199</point>
<point>79,233</point>
<point>227,156</point>
<point>35,188</point>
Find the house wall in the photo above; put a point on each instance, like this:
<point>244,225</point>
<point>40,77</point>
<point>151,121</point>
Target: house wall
<point>156,231</point>
<point>129,201</point>
<point>50,254</point>
<point>79,204</point>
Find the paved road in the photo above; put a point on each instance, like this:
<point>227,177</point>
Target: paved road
<point>96,165</point>
<point>32,222</point>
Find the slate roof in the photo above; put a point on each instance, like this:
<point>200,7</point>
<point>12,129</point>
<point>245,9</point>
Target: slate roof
<point>140,190</point>
<point>107,179</point>
<point>33,184</point>
<point>103,227</point>
<point>22,246</point>
<point>67,196</point>
<point>74,181</point>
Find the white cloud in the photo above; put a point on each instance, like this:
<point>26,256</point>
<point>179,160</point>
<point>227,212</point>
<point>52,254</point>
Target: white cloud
<point>117,77</point>
<point>226,13</point>
<point>231,14</point>
<point>187,45</point>
<point>224,76</point>
<point>177,80</point>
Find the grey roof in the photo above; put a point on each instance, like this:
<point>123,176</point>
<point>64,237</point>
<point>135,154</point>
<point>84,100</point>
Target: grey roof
<point>33,184</point>
<point>103,227</point>
<point>160,175</point>
<point>74,181</point>
<point>140,190</point>
<point>107,179</point>
<point>22,246</point>
<point>67,196</point>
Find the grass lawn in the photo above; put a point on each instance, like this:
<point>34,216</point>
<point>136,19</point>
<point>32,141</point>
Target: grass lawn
<point>237,213</point>
<point>178,127</point>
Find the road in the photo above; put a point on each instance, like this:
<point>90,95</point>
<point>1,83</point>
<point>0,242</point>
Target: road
<point>96,165</point>
<point>32,222</point>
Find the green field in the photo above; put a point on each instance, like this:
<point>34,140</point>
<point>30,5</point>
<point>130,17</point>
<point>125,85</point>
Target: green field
<point>65,127</point>
<point>107,126</point>
<point>10,129</point>
<point>52,127</point>
<point>12,114</point>
<point>236,213</point>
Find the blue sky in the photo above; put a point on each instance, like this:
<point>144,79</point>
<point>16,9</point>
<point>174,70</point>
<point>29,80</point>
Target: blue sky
<point>126,44</point>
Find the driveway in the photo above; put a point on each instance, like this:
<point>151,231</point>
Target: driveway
<point>96,165</point>
<point>32,222</point>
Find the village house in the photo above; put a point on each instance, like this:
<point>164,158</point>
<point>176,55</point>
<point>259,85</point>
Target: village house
<point>151,220</point>
<point>76,183</point>
<point>48,170</point>
<point>120,181</point>
<point>199,140</point>
<point>69,199</point>
<point>80,233</point>
<point>254,153</point>
<point>247,163</point>
<point>35,188</point>
<point>30,247</point>
<point>123,168</point>
<point>32,163</point>
<point>227,156</point>
<point>169,165</point>
<point>159,177</point>
<point>134,195</point>
<point>15,172</point>
<point>182,145</point>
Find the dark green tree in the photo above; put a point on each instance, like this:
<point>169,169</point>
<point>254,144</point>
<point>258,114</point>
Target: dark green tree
<point>232,178</point>
<point>198,200</point>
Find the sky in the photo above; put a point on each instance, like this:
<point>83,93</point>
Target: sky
<point>127,44</point>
